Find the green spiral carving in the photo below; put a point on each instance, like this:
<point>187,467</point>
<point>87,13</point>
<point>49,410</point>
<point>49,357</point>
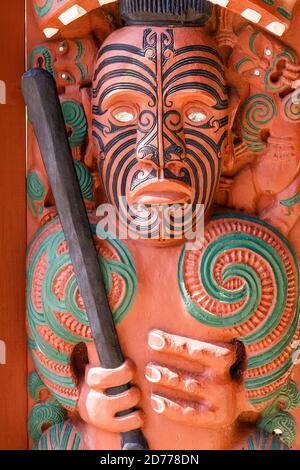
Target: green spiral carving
<point>47,56</point>
<point>61,436</point>
<point>55,363</point>
<point>280,421</point>
<point>35,385</point>
<point>44,414</point>
<point>292,107</point>
<point>36,192</point>
<point>251,289</point>
<point>291,394</point>
<point>75,118</point>
<point>85,180</point>
<point>276,417</point>
<point>248,298</point>
<point>256,113</point>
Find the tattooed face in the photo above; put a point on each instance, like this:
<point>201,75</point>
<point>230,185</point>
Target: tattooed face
<point>160,123</point>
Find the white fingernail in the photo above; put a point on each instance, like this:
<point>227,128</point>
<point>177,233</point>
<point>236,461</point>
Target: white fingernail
<point>152,374</point>
<point>157,404</point>
<point>156,341</point>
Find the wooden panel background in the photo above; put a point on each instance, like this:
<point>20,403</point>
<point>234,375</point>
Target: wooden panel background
<point>13,374</point>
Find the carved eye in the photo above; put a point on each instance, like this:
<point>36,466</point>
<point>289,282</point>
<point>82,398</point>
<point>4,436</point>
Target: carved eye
<point>196,116</point>
<point>124,116</point>
<point>66,77</point>
<point>63,47</point>
<point>124,113</point>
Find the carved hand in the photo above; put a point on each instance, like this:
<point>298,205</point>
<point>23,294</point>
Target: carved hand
<point>289,74</point>
<point>197,389</point>
<point>99,409</point>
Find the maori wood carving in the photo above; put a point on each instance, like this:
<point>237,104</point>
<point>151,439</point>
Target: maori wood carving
<point>194,106</point>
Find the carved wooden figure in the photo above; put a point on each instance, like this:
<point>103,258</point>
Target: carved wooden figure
<point>172,112</point>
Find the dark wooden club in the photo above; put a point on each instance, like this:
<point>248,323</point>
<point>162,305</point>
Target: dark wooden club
<point>44,112</point>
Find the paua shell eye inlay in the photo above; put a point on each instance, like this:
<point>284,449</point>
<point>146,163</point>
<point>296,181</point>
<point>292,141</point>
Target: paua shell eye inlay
<point>124,116</point>
<point>196,116</point>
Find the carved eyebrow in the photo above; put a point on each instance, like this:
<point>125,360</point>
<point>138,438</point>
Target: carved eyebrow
<point>198,48</point>
<point>196,73</point>
<point>121,59</point>
<point>200,96</point>
<point>120,88</point>
<point>199,60</point>
<point>122,73</point>
<point>204,87</point>
<point>120,47</point>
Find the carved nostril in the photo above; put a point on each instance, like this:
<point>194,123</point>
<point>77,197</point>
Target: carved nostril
<point>148,154</point>
<point>174,153</point>
<point>174,167</point>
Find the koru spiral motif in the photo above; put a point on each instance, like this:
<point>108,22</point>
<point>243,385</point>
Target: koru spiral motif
<point>245,279</point>
<point>57,320</point>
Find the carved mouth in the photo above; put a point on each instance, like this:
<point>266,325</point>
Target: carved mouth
<point>161,192</point>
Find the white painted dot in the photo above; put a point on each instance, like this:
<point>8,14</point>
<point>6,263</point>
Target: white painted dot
<point>61,48</point>
<point>64,76</point>
<point>251,15</point>
<point>276,28</point>
<point>257,73</point>
<point>49,32</point>
<point>268,52</point>
<point>72,14</point>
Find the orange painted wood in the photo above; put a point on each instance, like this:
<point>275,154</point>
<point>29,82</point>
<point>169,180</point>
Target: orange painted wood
<point>13,374</point>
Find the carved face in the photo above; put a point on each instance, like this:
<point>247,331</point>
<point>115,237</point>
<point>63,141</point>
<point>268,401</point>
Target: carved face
<point>262,61</point>
<point>69,61</point>
<point>160,123</point>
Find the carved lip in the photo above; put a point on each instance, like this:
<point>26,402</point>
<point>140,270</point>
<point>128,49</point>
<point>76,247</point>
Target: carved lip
<point>161,192</point>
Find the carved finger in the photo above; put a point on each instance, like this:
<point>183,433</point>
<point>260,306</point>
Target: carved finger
<point>192,413</point>
<point>100,379</point>
<point>214,355</point>
<point>292,67</point>
<point>286,81</point>
<point>128,422</point>
<point>123,401</point>
<point>178,380</point>
<point>290,75</point>
<point>101,411</point>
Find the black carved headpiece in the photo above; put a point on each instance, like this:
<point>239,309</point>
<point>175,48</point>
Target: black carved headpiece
<point>162,12</point>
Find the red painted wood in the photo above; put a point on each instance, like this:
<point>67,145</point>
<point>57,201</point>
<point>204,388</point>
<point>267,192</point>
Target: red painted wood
<point>13,374</point>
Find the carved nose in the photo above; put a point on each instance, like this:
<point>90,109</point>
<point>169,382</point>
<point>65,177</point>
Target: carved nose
<point>148,154</point>
<point>174,153</point>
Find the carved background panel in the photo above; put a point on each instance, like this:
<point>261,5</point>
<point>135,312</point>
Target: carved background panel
<point>259,178</point>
